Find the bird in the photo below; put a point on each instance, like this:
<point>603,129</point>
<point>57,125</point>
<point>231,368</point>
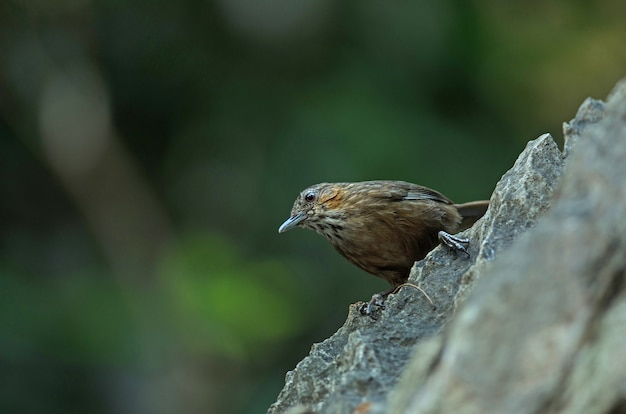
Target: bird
<point>383,226</point>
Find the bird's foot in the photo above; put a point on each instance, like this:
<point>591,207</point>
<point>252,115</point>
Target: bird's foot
<point>376,302</point>
<point>455,243</point>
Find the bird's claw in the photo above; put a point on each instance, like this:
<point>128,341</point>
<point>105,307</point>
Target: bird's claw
<point>376,302</point>
<point>455,243</point>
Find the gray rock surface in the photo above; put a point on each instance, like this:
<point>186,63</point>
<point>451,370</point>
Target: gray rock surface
<point>533,322</point>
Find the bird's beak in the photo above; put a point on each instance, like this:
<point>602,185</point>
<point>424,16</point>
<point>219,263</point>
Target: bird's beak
<point>292,222</point>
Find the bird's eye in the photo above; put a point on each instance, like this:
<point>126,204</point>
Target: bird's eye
<point>310,196</point>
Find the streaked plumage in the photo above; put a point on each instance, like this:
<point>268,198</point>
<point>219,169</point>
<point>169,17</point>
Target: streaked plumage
<point>383,227</point>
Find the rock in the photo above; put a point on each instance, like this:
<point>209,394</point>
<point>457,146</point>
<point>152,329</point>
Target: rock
<point>589,113</point>
<point>534,321</point>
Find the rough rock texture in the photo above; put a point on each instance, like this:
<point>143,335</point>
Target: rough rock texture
<point>533,322</point>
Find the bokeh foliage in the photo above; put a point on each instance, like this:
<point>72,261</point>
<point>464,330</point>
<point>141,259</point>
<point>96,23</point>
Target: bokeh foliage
<point>149,151</point>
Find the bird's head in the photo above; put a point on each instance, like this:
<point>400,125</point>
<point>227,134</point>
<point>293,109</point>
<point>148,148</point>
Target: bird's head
<point>311,207</point>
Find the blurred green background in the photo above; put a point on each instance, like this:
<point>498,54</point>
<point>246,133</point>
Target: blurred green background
<point>150,150</point>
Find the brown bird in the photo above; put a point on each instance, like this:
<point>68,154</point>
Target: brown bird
<point>383,227</point>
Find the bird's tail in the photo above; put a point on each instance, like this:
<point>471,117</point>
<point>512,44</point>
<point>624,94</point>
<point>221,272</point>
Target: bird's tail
<point>471,212</point>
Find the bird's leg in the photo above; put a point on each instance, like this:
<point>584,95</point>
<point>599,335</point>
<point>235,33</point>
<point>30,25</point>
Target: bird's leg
<point>376,302</point>
<point>453,242</point>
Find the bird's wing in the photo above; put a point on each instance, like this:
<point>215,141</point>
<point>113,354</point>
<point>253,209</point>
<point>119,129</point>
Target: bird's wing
<point>404,191</point>
<point>425,193</point>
